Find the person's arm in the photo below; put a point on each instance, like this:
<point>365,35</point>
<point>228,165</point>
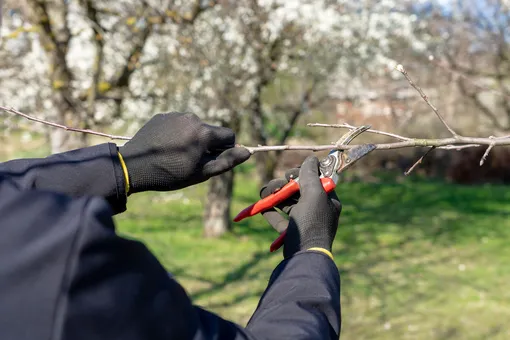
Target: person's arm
<point>61,259</point>
<point>66,273</point>
<point>93,171</point>
<point>302,300</point>
<point>171,151</point>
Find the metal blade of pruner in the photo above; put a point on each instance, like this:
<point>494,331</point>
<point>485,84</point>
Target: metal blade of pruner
<point>338,161</point>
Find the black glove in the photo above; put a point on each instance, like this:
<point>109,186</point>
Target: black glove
<point>175,150</point>
<point>313,213</point>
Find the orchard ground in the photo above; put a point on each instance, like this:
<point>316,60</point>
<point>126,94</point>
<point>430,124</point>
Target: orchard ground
<point>418,259</point>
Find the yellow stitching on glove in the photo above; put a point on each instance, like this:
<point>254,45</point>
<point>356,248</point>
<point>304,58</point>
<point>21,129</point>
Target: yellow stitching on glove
<point>322,250</point>
<point>124,169</point>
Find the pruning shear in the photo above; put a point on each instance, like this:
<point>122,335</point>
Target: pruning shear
<point>336,162</point>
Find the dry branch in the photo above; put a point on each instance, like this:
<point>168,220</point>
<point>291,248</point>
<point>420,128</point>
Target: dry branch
<point>419,161</point>
<point>486,154</point>
<point>348,126</point>
<point>446,143</point>
<point>402,70</point>
<point>60,126</point>
<point>456,142</point>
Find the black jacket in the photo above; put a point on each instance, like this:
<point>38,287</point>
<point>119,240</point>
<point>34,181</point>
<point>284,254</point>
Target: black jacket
<point>66,274</point>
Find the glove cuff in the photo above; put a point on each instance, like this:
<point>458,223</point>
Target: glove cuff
<point>296,241</point>
<point>134,171</point>
<point>322,250</point>
<point>125,171</point>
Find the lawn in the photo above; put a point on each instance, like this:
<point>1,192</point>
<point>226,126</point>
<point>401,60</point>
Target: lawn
<point>418,260</point>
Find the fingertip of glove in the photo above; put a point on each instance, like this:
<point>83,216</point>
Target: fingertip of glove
<point>311,159</point>
<point>227,160</point>
<point>240,154</point>
<point>292,174</point>
<point>310,167</point>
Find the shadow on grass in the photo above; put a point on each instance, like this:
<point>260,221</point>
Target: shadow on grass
<point>236,274</point>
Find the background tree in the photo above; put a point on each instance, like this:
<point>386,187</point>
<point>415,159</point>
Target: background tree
<point>255,66</point>
<point>90,50</point>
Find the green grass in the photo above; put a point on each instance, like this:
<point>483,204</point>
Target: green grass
<point>418,260</point>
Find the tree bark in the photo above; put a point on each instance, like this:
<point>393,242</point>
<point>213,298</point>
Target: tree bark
<point>217,208</point>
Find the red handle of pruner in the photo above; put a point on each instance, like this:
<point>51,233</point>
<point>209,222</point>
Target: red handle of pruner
<point>276,198</point>
<point>270,201</point>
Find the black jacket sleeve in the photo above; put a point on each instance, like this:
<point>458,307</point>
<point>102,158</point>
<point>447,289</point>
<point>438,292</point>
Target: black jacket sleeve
<point>91,171</point>
<point>66,274</point>
<point>302,300</point>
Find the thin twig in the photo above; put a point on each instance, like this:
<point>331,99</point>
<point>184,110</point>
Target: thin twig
<point>419,161</point>
<point>402,70</point>
<point>60,126</point>
<point>486,154</point>
<point>348,126</point>
<point>458,147</point>
<point>261,148</point>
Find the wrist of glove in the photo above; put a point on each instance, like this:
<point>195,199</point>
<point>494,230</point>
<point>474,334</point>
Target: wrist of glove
<point>313,214</point>
<point>176,150</point>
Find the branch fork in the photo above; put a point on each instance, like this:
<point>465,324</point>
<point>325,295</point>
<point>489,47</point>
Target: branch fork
<point>455,142</point>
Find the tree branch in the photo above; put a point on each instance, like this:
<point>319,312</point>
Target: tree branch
<point>347,126</point>
<point>445,143</point>
<point>457,143</point>
<point>419,161</point>
<point>297,112</point>
<point>60,126</point>
<point>132,61</point>
<point>402,70</point>
<point>486,154</point>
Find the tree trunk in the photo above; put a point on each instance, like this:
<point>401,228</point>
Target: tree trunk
<point>217,208</point>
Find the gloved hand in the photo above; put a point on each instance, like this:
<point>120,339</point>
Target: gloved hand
<point>313,213</point>
<point>175,150</point>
